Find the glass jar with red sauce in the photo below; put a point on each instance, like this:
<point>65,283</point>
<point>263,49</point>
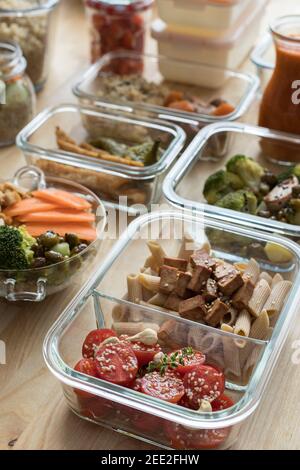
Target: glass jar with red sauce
<point>280,106</point>
<point>118,25</point>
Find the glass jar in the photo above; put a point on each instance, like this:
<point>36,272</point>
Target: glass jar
<point>18,103</point>
<point>280,106</point>
<point>31,23</point>
<point>118,25</point>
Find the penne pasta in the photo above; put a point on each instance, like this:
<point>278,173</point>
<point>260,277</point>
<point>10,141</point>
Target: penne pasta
<point>230,317</point>
<point>120,312</point>
<point>134,288</point>
<point>151,263</point>
<point>241,266</point>
<point>150,282</point>
<point>277,278</point>
<point>157,252</point>
<point>162,309</point>
<point>242,326</point>
<point>260,295</point>
<point>260,327</point>
<point>251,363</point>
<point>158,299</point>
<point>231,358</point>
<point>266,276</point>
<point>275,301</point>
<point>252,271</point>
<point>227,328</point>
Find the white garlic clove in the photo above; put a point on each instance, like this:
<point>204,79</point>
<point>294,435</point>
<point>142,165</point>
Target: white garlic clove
<point>148,337</point>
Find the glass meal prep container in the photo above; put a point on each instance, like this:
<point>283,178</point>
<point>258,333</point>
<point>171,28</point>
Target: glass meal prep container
<point>118,24</point>
<point>263,57</point>
<point>35,284</point>
<point>209,152</point>
<point>31,24</point>
<point>119,185</point>
<point>101,301</point>
<point>207,83</point>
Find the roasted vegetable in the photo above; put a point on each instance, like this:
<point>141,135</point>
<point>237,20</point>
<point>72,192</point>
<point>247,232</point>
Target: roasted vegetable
<point>219,184</point>
<point>247,169</point>
<point>242,201</point>
<point>292,171</point>
<point>15,248</point>
<point>110,145</point>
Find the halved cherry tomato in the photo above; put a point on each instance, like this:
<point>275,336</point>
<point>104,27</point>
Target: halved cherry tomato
<point>203,382</point>
<point>181,437</point>
<point>168,387</point>
<point>88,367</point>
<point>144,353</point>
<point>146,423</point>
<point>94,407</point>
<point>137,384</point>
<point>195,359</point>
<point>93,341</point>
<point>222,403</point>
<point>116,363</point>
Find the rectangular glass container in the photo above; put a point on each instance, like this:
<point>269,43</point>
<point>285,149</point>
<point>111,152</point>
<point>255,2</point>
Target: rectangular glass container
<point>100,300</point>
<point>263,57</point>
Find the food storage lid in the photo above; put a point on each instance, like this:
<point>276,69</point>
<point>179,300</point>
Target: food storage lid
<point>262,51</point>
<point>12,61</point>
<point>26,6</point>
<point>198,37</point>
<point>120,6</point>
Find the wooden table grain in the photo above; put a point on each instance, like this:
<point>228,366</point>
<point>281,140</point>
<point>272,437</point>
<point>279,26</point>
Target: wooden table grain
<point>33,413</point>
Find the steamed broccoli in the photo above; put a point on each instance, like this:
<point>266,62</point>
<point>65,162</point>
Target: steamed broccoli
<point>241,201</point>
<point>247,169</point>
<point>15,248</point>
<point>219,184</point>
<point>292,171</point>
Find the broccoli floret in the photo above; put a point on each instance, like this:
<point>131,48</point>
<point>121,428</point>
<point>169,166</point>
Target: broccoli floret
<point>292,171</point>
<point>241,201</point>
<point>15,248</point>
<point>247,169</point>
<point>219,184</point>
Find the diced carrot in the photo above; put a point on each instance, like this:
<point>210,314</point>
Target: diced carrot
<point>29,205</point>
<point>84,231</point>
<point>223,109</point>
<point>58,216</point>
<point>173,96</point>
<point>182,105</point>
<point>62,198</point>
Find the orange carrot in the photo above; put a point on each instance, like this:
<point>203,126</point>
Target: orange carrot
<point>29,205</point>
<point>62,198</point>
<point>223,109</point>
<point>84,231</point>
<point>58,217</point>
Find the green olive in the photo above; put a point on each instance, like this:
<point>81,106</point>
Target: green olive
<point>79,248</point>
<point>72,239</point>
<point>53,257</point>
<point>49,239</point>
<point>62,248</point>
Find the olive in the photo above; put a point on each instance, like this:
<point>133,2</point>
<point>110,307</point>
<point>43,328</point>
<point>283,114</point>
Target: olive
<point>54,257</point>
<point>38,250</point>
<point>72,239</point>
<point>49,239</point>
<point>79,248</point>
<point>296,191</point>
<point>39,262</point>
<point>264,188</point>
<point>217,102</point>
<point>62,248</point>
<point>269,178</point>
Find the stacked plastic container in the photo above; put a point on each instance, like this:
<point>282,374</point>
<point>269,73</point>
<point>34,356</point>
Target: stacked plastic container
<point>215,32</point>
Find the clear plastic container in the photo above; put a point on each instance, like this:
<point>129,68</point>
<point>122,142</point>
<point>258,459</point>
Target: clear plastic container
<point>119,185</point>
<point>35,284</point>
<point>236,88</point>
<point>31,24</point>
<point>141,416</point>
<point>117,25</point>
<point>263,57</point>
<point>209,153</point>
<point>17,103</point>
<point>213,16</point>
<point>228,50</point>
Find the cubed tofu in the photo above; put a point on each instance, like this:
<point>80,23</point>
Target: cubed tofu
<point>193,308</point>
<point>168,279</point>
<point>242,296</point>
<point>178,263</point>
<point>172,302</point>
<point>223,269</point>
<point>199,277</point>
<point>216,312</point>
<point>182,284</point>
<point>202,258</point>
<point>211,291</point>
<point>231,283</point>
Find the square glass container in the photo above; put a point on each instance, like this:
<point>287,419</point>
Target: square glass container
<point>121,186</point>
<point>100,302</point>
<point>206,82</point>
<point>209,152</point>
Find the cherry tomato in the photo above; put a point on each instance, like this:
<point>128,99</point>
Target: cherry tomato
<point>146,423</point>
<point>88,367</point>
<point>167,387</point>
<point>94,407</point>
<point>116,363</point>
<point>144,353</point>
<point>203,382</point>
<point>181,437</point>
<point>222,403</point>
<point>195,359</point>
<point>137,385</point>
<point>93,341</point>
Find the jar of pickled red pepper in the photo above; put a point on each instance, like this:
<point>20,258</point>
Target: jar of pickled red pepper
<point>118,25</point>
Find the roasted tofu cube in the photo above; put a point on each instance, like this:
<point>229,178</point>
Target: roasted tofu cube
<point>168,279</point>
<point>231,283</point>
<point>182,284</point>
<point>216,312</point>
<point>199,277</point>
<point>242,296</point>
<point>178,263</point>
<point>202,258</point>
<point>211,291</point>
<point>223,269</point>
<point>172,302</point>
<point>193,308</point>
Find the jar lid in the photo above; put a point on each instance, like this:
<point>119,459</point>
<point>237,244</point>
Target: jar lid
<point>117,6</point>
<point>12,61</point>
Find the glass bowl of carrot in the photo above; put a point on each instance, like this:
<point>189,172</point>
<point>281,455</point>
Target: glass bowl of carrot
<point>50,232</point>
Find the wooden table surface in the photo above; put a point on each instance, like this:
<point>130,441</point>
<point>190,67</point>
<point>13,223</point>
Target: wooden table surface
<point>33,413</point>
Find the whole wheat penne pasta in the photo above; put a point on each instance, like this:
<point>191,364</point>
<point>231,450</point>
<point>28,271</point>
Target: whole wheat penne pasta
<point>259,297</point>
<point>119,311</point>
<point>151,283</point>
<point>277,297</point>
<point>242,327</point>
<point>260,326</point>
<point>151,263</point>
<point>157,252</point>
<point>227,328</point>
<point>135,292</point>
<point>241,266</point>
<point>252,271</point>
<point>266,276</point>
<point>157,307</point>
<point>230,317</point>
<point>132,328</point>
<point>251,363</point>
<point>231,358</point>
<point>277,278</point>
<point>158,299</point>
